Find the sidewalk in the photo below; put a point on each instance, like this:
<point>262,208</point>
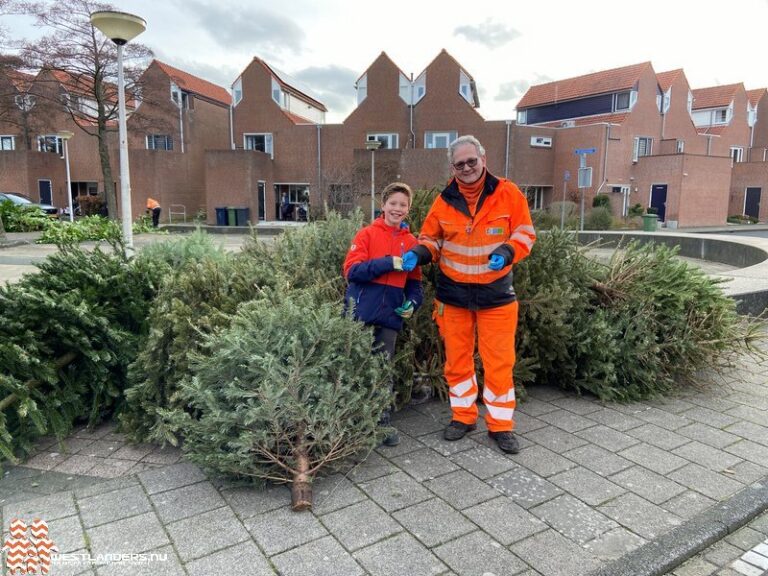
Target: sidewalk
<point>609,489</point>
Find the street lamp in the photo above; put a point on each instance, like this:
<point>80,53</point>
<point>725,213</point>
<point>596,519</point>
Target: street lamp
<point>66,135</point>
<point>373,145</point>
<point>121,28</point>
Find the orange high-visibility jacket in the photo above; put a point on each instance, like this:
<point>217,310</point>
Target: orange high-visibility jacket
<point>152,204</point>
<point>462,244</point>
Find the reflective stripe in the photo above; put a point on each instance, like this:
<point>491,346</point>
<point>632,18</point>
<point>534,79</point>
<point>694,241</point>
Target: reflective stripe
<point>463,402</point>
<point>500,413</point>
<point>462,388</point>
<point>525,228</point>
<point>433,243</point>
<point>523,239</point>
<point>489,397</point>
<point>465,268</point>
<point>471,250</point>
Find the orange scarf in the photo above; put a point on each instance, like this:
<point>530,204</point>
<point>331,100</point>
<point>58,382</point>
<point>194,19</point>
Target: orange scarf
<point>471,192</point>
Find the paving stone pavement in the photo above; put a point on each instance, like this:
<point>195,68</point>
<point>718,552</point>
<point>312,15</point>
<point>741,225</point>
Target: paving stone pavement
<point>593,485</point>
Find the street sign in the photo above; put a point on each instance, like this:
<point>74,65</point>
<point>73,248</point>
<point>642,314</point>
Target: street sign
<point>585,150</point>
<point>585,177</point>
<point>567,175</point>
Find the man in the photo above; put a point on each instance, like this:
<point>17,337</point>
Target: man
<point>153,206</point>
<point>476,230</point>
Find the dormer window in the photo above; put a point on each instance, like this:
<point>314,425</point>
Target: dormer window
<point>410,92</point>
<point>237,91</point>
<point>362,88</point>
<point>465,87</point>
<point>622,101</point>
<point>277,93</point>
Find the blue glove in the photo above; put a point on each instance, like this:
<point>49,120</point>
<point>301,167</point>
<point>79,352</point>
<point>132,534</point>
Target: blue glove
<point>496,262</point>
<point>410,260</point>
<point>406,310</point>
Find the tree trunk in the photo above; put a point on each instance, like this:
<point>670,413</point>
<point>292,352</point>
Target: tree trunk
<point>301,490</point>
<point>109,183</point>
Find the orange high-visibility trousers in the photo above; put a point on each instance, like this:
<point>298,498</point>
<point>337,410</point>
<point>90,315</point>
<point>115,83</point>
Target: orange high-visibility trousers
<point>496,343</point>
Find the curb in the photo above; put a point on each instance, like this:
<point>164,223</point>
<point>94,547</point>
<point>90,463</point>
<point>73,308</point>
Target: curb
<point>666,553</point>
<point>13,243</point>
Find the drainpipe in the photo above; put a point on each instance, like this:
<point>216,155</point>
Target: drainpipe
<point>506,151</point>
<point>709,143</point>
<point>605,157</point>
<point>319,170</point>
<point>231,127</point>
<point>413,134</point>
<point>181,120</point>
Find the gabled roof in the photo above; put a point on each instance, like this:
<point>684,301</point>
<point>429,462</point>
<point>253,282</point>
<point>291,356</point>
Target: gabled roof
<point>296,119</point>
<point>666,79</point>
<point>195,85</point>
<point>714,96</point>
<point>20,80</point>
<point>293,86</point>
<point>384,55</point>
<point>587,120</point>
<point>712,130</point>
<point>581,86</point>
<point>755,95</point>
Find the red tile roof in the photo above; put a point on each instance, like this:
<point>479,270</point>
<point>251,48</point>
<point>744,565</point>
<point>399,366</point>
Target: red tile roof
<point>296,119</point>
<point>195,85</point>
<point>666,79</point>
<point>714,96</point>
<point>714,130</point>
<point>82,85</point>
<point>20,80</point>
<point>755,95</point>
<point>587,120</point>
<point>581,86</point>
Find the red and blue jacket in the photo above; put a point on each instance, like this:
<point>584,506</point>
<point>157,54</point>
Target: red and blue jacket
<point>375,287</point>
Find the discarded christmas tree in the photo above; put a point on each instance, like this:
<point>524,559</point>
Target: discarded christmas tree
<point>288,389</point>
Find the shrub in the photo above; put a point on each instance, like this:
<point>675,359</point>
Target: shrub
<point>91,205</point>
<point>598,219</point>
<point>636,210</point>
<point>22,218</point>
<point>65,232</point>
<point>601,201</point>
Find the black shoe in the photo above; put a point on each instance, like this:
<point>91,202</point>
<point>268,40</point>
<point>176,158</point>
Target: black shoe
<point>457,430</point>
<point>420,395</point>
<point>507,441</point>
<point>391,439</point>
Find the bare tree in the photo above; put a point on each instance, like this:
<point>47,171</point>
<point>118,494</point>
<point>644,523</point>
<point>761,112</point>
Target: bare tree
<point>84,62</point>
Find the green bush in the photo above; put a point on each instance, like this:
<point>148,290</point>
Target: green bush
<point>22,218</point>
<point>636,210</point>
<point>65,232</point>
<point>598,219</point>
<point>742,219</point>
<point>601,201</point>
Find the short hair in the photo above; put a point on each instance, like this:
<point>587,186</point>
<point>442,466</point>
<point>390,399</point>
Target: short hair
<point>468,139</point>
<point>394,188</point>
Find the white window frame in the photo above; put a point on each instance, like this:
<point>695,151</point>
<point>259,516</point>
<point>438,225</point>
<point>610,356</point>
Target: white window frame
<point>680,146</point>
<point>522,116</point>
<point>278,94</point>
<point>389,140</point>
<point>362,88</point>
<point>7,143</point>
<point>465,87</point>
<point>237,91</point>
<point>298,192</point>
<point>46,140</point>
<point>431,135</point>
<point>643,146</point>
<point>535,193</point>
<point>616,105</point>
<point>269,147</point>
<point>153,139</point>
<point>737,154</point>
<point>690,102</point>
<point>720,116</point>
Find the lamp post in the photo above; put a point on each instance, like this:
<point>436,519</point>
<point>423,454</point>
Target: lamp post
<point>66,135</point>
<point>121,27</point>
<point>373,145</point>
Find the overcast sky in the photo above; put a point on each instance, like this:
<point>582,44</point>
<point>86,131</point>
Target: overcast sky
<point>506,46</point>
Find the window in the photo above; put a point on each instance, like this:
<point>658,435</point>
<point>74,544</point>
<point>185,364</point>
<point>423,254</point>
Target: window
<point>720,116</point>
<point>237,91</point>
<point>159,142</point>
<point>298,198</point>
<point>277,93</point>
<point>622,101</point>
<point>50,143</point>
<point>690,101</point>
<point>362,88</point>
<point>7,143</point>
<point>535,197</point>
<point>260,142</point>
<point>178,96</point>
<point>522,116</point>
<point>680,146</point>
<point>737,154</point>
<point>465,87</point>
<point>388,140</point>
<point>643,147</point>
<point>439,139</point>
<point>410,92</point>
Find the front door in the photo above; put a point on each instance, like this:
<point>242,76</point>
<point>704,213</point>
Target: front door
<point>44,188</point>
<point>659,200</point>
<point>261,200</point>
<point>752,202</point>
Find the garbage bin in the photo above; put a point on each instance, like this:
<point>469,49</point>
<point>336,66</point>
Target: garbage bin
<point>221,216</point>
<point>242,215</point>
<point>649,222</point>
<point>231,216</point>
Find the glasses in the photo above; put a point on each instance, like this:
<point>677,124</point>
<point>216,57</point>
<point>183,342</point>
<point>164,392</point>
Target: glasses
<point>471,162</point>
